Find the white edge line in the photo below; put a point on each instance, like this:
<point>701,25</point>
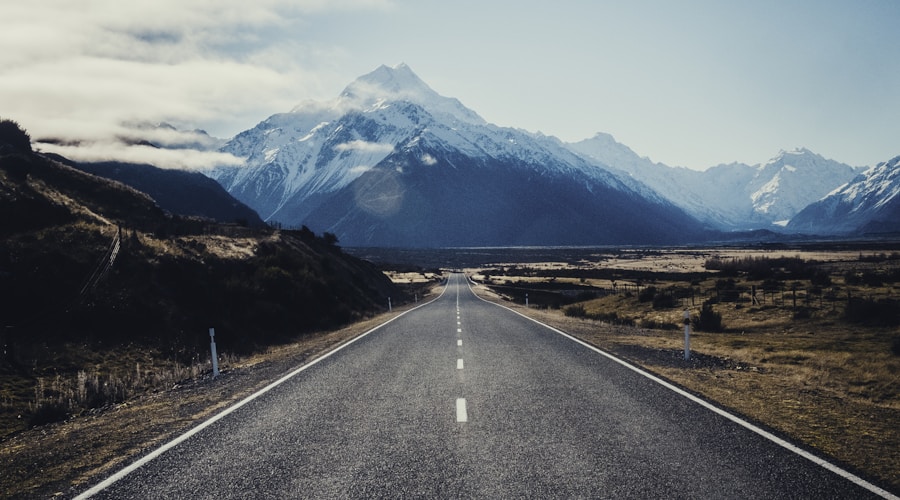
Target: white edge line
<point>106,483</point>
<point>734,418</point>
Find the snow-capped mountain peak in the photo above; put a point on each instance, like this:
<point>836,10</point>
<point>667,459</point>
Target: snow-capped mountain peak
<point>399,80</point>
<point>400,83</point>
<point>319,147</point>
<point>793,179</point>
<point>870,202</point>
<point>792,160</point>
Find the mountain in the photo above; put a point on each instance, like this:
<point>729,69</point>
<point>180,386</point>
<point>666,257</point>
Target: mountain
<point>792,180</point>
<point>96,279</point>
<point>390,162</point>
<point>81,255</point>
<point>180,192</point>
<point>869,203</point>
<point>676,184</point>
<point>732,196</point>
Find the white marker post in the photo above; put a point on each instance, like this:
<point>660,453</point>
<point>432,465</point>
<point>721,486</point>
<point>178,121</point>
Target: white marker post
<point>687,335</point>
<point>526,300</point>
<point>212,348</point>
<point>390,308</point>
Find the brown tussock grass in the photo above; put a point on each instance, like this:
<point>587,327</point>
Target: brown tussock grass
<point>819,383</point>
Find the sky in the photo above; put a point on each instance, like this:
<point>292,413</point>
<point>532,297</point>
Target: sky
<point>692,83</point>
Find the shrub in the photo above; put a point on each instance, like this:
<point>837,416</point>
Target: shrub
<point>48,413</point>
<point>664,300</point>
<point>613,318</point>
<point>11,134</point>
<point>802,313</point>
<point>708,320</point>
<point>820,279</point>
<point>873,312</point>
<point>658,325</point>
<point>895,346</point>
<point>647,294</point>
<point>575,311</point>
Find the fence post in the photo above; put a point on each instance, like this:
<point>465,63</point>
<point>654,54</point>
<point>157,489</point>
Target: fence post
<point>212,348</point>
<point>687,335</point>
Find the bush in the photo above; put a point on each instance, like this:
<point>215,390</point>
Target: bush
<point>658,325</point>
<point>11,134</point>
<point>575,311</point>
<point>647,294</point>
<point>884,312</point>
<point>708,320</point>
<point>48,413</point>
<point>820,279</point>
<point>895,346</point>
<point>664,300</point>
<point>802,313</point>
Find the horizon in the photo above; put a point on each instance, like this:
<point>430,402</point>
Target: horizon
<point>693,85</point>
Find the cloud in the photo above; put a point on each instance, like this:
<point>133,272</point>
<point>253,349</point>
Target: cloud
<point>360,169</point>
<point>83,70</point>
<point>183,159</point>
<point>429,160</point>
<point>365,147</point>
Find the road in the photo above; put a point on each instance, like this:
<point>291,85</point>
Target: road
<point>463,398</point>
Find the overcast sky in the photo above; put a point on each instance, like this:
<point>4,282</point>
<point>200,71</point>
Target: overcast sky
<point>689,83</point>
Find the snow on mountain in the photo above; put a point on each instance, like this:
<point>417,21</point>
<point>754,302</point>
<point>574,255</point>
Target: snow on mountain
<point>321,147</point>
<point>869,203</point>
<point>401,84</point>
<point>730,196</point>
<point>673,184</point>
<point>786,184</point>
<point>388,128</point>
<point>297,163</point>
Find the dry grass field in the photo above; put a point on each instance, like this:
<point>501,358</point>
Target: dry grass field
<point>813,359</point>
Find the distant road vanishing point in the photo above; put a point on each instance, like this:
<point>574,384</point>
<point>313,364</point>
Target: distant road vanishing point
<point>463,398</point>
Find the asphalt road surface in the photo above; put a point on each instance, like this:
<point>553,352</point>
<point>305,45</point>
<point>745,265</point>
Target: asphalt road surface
<point>462,398</point>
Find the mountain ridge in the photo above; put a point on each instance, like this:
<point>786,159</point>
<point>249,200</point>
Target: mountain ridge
<point>869,203</point>
<point>296,161</point>
<point>181,192</point>
<point>299,162</point>
<point>762,196</point>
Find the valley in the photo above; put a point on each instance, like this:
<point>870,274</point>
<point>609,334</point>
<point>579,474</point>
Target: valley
<point>812,372</point>
<point>112,273</point>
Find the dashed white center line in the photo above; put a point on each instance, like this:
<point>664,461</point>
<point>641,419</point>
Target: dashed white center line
<point>461,414</point>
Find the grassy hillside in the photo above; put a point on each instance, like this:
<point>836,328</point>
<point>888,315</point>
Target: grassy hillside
<point>105,295</point>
